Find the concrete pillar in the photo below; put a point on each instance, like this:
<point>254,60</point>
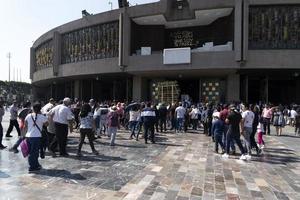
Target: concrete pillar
<point>56,52</point>
<point>124,38</point>
<point>77,89</point>
<point>139,89</point>
<point>32,62</point>
<point>298,93</point>
<point>245,29</point>
<point>238,17</point>
<point>233,87</point>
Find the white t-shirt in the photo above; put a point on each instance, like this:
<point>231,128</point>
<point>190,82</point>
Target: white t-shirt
<point>134,116</point>
<point>248,117</point>
<point>62,114</point>
<point>293,114</point>
<point>180,112</point>
<point>194,113</point>
<point>33,131</point>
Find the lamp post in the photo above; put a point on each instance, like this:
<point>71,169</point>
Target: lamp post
<point>9,57</point>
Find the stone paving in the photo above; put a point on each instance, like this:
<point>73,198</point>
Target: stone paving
<point>179,166</point>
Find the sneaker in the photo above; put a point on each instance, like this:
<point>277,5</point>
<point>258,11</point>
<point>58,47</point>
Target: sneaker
<point>225,155</point>
<point>2,147</point>
<point>8,135</point>
<point>243,157</point>
<point>248,157</point>
<point>262,146</point>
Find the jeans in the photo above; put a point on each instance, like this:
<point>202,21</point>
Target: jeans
<point>139,128</point>
<point>235,136</point>
<point>179,124</point>
<point>267,125</point>
<point>34,144</point>
<point>112,131</point>
<point>89,133</point>
<point>247,136</point>
<point>133,126</point>
<point>149,128</point>
<point>13,123</point>
<point>218,140</point>
<point>195,123</point>
<point>232,146</point>
<point>252,138</point>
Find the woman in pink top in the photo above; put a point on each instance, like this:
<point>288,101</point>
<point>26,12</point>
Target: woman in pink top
<point>267,115</point>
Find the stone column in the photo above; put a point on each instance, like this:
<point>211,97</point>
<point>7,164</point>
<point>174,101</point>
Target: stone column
<point>56,52</point>
<point>233,87</point>
<point>139,89</point>
<point>238,17</point>
<point>32,62</point>
<point>77,89</point>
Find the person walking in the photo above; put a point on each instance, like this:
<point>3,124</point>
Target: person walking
<point>218,128</point>
<point>87,126</point>
<point>22,115</point>
<point>148,119</point>
<point>278,121</point>
<point>267,115</point>
<point>246,128</point>
<point>180,114</point>
<point>62,117</point>
<point>13,122</point>
<point>133,120</point>
<point>2,112</point>
<point>255,110</point>
<point>34,123</point>
<point>162,113</point>
<point>234,120</point>
<point>113,118</point>
<point>194,114</point>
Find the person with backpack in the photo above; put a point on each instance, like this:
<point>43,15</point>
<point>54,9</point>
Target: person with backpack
<point>87,125</point>
<point>33,124</point>
<point>113,124</point>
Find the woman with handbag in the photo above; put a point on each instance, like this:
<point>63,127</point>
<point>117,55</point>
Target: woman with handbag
<point>34,123</point>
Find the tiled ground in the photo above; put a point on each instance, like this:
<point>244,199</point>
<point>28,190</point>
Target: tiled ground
<point>179,166</point>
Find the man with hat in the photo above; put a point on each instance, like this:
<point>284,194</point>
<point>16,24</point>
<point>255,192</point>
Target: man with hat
<point>234,121</point>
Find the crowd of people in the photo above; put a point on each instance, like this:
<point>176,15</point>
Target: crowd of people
<point>46,127</point>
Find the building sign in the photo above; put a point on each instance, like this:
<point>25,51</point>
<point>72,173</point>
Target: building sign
<point>274,27</point>
<point>96,42</point>
<point>182,38</point>
<point>44,55</point>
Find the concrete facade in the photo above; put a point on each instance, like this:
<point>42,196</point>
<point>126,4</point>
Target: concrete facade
<point>227,65</point>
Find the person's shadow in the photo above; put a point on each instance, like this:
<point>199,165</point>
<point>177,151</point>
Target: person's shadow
<point>61,173</point>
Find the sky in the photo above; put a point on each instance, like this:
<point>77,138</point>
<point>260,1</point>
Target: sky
<point>23,21</point>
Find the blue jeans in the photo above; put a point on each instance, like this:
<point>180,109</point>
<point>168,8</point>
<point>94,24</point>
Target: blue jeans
<point>218,140</point>
<point>234,136</point>
<point>112,131</point>
<point>34,144</point>
<point>179,124</point>
<point>224,139</point>
<point>133,126</point>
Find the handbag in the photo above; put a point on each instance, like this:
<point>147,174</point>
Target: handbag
<point>24,148</point>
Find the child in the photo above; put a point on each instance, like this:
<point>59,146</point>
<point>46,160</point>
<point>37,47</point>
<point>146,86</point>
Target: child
<point>260,133</point>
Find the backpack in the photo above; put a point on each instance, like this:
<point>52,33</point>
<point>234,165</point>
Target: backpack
<point>113,118</point>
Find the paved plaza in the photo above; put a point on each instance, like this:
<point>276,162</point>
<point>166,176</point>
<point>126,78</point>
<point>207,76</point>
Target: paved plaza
<point>179,166</point>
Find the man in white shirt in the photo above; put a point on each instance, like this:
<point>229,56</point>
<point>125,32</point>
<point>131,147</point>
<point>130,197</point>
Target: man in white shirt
<point>179,113</point>
<point>293,116</point>
<point>246,128</point>
<point>62,117</point>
